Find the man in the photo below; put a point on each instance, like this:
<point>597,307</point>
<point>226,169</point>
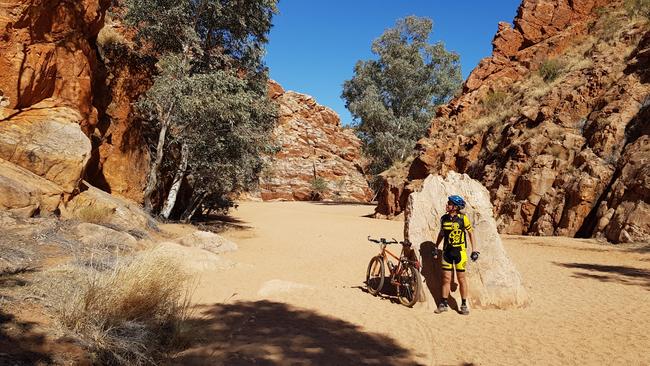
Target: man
<point>453,227</point>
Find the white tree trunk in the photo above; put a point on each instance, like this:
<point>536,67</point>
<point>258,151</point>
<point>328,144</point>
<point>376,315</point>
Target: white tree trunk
<point>152,180</point>
<point>178,179</point>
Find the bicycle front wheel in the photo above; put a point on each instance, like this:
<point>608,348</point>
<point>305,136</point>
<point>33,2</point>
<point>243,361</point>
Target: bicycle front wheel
<point>409,286</point>
<point>375,275</point>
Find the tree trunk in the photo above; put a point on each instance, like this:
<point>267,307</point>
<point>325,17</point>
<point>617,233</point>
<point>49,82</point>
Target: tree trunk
<point>178,179</point>
<point>152,179</point>
<point>191,209</point>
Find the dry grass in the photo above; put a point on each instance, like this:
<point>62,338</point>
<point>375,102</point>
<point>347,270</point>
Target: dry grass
<point>129,314</point>
<point>109,37</point>
<point>498,106</point>
<point>95,214</point>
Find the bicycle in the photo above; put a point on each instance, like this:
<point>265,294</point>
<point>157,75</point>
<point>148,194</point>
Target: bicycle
<point>405,275</point>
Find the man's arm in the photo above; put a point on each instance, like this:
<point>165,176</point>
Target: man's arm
<point>472,241</point>
<point>438,240</point>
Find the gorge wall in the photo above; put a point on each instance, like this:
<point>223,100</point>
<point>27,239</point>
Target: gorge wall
<point>317,158</point>
<point>554,124</point>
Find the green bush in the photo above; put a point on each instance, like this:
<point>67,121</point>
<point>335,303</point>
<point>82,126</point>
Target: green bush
<point>549,70</point>
<point>319,185</point>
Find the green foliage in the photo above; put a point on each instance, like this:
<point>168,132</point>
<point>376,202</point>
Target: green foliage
<point>393,98</point>
<point>494,100</point>
<point>210,91</point>
<point>319,185</point>
<point>550,69</point>
<point>638,8</point>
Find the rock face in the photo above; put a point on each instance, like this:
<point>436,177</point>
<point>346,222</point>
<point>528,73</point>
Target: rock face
<point>494,282</point>
<point>25,193</point>
<point>558,154</point>
<point>47,140</point>
<point>46,52</point>
<point>313,146</point>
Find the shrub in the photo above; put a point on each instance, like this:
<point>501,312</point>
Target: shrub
<point>129,314</point>
<point>549,70</point>
<point>319,185</point>
<point>95,214</point>
<point>494,100</point>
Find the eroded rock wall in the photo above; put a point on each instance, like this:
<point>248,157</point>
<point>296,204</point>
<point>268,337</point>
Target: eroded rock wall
<point>312,146</point>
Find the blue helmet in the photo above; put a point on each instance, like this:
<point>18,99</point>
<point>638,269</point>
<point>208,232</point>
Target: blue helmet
<point>457,201</point>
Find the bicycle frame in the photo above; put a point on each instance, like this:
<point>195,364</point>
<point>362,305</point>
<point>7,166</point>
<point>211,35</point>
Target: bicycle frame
<point>392,268</point>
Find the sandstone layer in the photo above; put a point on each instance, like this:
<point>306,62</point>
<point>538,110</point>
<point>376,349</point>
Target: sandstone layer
<point>317,157</point>
<point>561,154</point>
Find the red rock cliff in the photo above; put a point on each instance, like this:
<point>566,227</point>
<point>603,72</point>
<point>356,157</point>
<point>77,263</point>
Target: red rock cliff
<point>313,144</point>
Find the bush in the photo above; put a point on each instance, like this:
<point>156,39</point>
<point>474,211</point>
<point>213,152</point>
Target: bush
<point>95,214</point>
<point>494,100</point>
<point>319,185</point>
<point>127,315</point>
<point>549,70</point>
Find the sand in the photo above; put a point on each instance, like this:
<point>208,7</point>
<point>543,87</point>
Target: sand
<point>295,296</point>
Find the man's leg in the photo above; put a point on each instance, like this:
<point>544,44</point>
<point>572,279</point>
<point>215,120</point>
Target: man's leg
<point>462,282</point>
<point>446,284</point>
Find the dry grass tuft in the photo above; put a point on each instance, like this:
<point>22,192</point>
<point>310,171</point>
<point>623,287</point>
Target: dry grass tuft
<point>109,37</point>
<point>129,314</point>
<point>95,214</point>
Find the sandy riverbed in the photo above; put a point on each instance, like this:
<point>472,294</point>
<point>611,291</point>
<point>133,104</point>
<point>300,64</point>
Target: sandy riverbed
<point>293,294</point>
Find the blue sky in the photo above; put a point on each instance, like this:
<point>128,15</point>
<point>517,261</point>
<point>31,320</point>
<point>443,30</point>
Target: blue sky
<point>314,45</point>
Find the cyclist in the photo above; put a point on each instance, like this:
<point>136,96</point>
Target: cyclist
<point>453,226</point>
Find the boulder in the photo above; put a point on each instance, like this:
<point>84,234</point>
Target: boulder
<point>124,214</point>
<point>25,193</point>
<point>47,140</point>
<point>192,260</point>
<point>276,287</point>
<point>494,282</point>
<point>98,235</point>
<point>211,242</point>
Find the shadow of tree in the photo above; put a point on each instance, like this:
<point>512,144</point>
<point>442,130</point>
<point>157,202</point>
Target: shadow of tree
<point>609,273</point>
<point>19,343</point>
<point>271,333</point>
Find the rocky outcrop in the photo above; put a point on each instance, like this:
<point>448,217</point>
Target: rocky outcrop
<point>106,209</point>
<point>494,282</point>
<point>47,140</point>
<point>46,51</point>
<point>317,157</point>
<point>24,193</point>
<point>550,149</point>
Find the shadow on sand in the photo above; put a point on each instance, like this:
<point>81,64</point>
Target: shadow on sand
<point>609,273</point>
<point>271,333</point>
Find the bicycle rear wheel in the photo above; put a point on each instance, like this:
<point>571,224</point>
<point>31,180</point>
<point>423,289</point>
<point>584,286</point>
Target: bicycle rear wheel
<point>409,286</point>
<point>375,275</point>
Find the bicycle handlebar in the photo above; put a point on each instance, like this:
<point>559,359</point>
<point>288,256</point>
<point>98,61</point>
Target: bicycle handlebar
<point>383,241</point>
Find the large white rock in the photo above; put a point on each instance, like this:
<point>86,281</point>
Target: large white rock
<point>494,282</point>
<point>211,242</point>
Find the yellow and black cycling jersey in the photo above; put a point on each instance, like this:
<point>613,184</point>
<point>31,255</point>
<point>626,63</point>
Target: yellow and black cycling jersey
<point>453,252</point>
<point>454,228</point>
